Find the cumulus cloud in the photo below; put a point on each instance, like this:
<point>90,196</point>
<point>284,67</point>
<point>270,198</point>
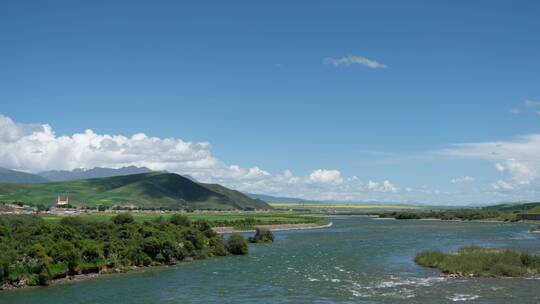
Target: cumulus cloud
<point>352,59</point>
<point>32,147</point>
<point>389,187</point>
<point>372,185</point>
<point>462,179</point>
<point>518,159</point>
<point>36,147</point>
<point>386,186</point>
<point>502,185</point>
<point>326,176</point>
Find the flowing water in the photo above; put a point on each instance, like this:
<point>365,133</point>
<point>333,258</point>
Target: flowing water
<point>357,260</point>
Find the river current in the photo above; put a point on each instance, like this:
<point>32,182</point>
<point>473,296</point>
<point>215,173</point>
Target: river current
<point>357,260</point>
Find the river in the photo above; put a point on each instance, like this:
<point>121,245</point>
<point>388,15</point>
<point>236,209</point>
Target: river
<point>357,260</point>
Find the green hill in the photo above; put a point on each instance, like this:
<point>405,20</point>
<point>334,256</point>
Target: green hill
<point>524,207</point>
<point>12,176</point>
<point>149,190</point>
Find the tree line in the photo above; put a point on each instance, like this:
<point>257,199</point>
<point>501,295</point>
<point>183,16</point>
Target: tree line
<point>34,251</point>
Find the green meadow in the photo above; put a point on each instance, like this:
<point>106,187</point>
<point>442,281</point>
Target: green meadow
<point>216,219</point>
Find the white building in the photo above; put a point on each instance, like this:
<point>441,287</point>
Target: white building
<point>60,203</point>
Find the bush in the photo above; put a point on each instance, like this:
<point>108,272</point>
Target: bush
<point>65,252</point>
<point>91,251</point>
<point>218,246</point>
<point>151,246</point>
<point>37,251</point>
<point>123,218</point>
<point>237,245</point>
<point>180,220</point>
<point>262,235</point>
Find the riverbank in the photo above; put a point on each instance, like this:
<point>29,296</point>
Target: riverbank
<point>37,252</point>
<point>88,276</point>
<point>272,227</point>
<point>107,271</point>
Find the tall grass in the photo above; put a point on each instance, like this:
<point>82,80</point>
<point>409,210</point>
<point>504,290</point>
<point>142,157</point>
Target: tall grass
<point>483,262</point>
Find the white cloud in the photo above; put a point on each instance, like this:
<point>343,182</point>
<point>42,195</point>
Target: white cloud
<point>372,185</point>
<point>352,59</point>
<point>389,187</point>
<point>11,131</point>
<point>515,111</point>
<point>462,179</point>
<point>386,186</point>
<point>517,159</point>
<point>502,185</point>
<point>326,176</point>
<point>36,147</point>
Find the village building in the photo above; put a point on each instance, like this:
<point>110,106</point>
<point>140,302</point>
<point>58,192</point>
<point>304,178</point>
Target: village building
<point>62,203</point>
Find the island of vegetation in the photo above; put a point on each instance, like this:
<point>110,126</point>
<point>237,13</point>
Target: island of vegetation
<point>502,212</point>
<point>262,235</point>
<point>449,215</point>
<point>482,262</point>
<point>35,251</point>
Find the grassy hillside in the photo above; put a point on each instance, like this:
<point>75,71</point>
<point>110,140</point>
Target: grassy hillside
<point>526,207</point>
<point>149,190</point>
<point>12,176</point>
<point>241,200</point>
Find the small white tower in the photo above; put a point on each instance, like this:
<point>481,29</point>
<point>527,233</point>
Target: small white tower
<point>60,203</point>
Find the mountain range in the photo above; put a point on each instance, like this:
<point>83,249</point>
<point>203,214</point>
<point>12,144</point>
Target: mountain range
<point>12,176</point>
<point>98,172</point>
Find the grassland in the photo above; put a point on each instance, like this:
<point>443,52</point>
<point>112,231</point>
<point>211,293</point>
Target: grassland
<point>482,262</point>
<point>239,220</point>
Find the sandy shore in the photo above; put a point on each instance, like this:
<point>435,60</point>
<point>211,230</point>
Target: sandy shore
<point>275,227</point>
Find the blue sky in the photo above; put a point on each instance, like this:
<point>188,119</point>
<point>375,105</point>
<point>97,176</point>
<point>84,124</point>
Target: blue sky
<point>284,85</point>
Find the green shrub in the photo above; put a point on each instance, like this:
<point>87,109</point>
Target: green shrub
<point>262,235</point>
<point>180,220</point>
<point>218,246</point>
<point>65,252</point>
<point>123,218</point>
<point>237,244</point>
<point>41,251</point>
<point>91,251</point>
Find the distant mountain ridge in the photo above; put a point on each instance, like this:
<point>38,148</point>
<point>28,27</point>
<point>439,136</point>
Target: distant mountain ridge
<point>18,177</point>
<point>285,199</point>
<point>148,190</point>
<point>278,199</point>
<point>97,172</point>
